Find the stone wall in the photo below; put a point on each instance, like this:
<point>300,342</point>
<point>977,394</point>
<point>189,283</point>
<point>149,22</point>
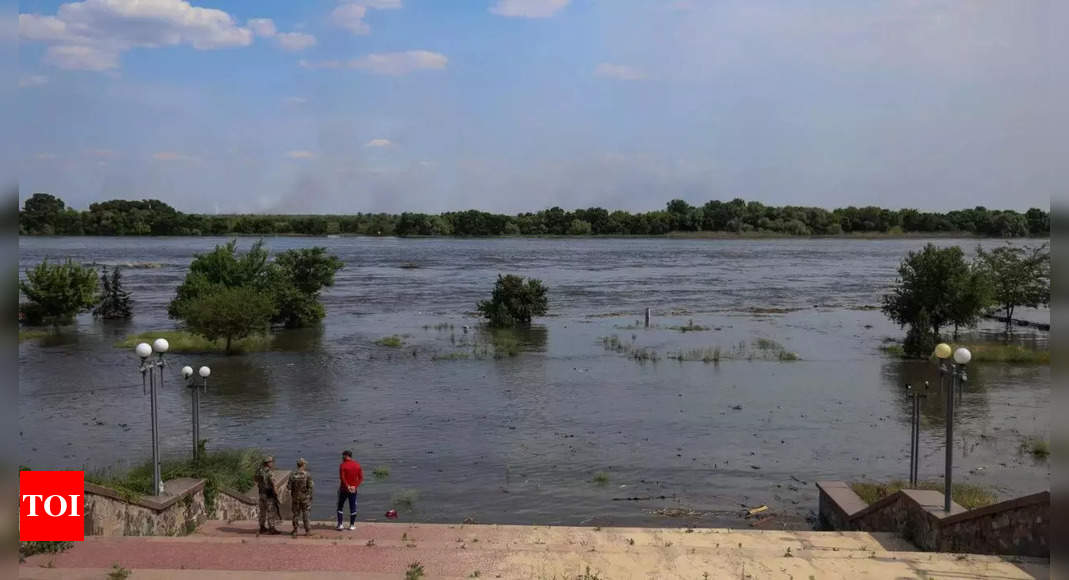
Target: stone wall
<point>179,511</point>
<point>1019,526</point>
<point>232,505</point>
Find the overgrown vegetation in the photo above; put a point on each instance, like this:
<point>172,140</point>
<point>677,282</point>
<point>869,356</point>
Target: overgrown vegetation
<point>182,341</point>
<point>27,549</point>
<point>414,571</point>
<point>44,214</point>
<point>514,301</point>
<point>987,353</point>
<point>224,469</point>
<point>31,334</point>
<point>1036,447</point>
<point>966,495</point>
<point>56,293</point>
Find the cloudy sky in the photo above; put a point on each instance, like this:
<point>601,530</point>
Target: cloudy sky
<point>517,105</point>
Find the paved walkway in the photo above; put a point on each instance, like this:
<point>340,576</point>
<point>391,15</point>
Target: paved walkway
<point>225,551</point>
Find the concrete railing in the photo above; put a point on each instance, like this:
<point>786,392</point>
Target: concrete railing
<point>1018,526</point>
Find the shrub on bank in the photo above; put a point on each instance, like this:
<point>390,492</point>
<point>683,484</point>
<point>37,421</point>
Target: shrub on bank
<point>225,469</point>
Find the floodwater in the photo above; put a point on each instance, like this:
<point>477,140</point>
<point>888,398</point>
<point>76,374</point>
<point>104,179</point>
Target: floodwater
<point>520,439</point>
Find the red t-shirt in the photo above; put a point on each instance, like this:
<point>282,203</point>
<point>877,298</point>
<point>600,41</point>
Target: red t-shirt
<point>350,473</point>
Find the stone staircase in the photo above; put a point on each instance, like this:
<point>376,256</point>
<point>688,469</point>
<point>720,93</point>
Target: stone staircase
<point>228,550</point>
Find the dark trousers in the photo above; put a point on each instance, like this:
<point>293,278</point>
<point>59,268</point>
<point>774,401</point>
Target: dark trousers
<point>344,494</point>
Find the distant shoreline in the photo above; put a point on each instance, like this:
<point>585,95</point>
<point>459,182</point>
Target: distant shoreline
<point>671,236</point>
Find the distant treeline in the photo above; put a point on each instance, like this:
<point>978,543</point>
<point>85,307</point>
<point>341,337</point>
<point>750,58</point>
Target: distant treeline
<point>44,214</point>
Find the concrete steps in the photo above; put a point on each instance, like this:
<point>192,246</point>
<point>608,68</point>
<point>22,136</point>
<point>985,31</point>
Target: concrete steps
<point>385,550</point>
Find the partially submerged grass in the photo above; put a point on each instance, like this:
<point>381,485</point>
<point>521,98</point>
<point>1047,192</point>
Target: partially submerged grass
<point>391,341</point>
<point>187,342</point>
<point>406,498</point>
<point>32,333</point>
<point>226,469</point>
<point>381,472</point>
<point>601,478</point>
<point>966,495</point>
<point>764,349</point>
<point>689,327</point>
<point>1036,447</point>
<point>987,353</point>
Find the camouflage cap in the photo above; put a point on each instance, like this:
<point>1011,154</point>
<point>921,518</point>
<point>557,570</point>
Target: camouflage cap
<point>268,459</point>
<point>301,462</point>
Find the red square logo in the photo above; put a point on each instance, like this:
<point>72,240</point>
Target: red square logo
<point>51,506</point>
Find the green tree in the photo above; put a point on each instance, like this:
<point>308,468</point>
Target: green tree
<point>40,212</point>
<point>936,288</point>
<point>292,282</point>
<point>115,301</point>
<point>514,301</point>
<point>56,293</point>
<point>1019,276</point>
<point>221,268</point>
<point>230,314</point>
<point>579,228</point>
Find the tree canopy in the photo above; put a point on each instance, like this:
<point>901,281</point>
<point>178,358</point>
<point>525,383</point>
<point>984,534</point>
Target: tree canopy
<point>514,301</point>
<point>56,293</point>
<point>1020,276</point>
<point>937,287</point>
<point>229,313</point>
<point>45,214</point>
<point>290,284</point>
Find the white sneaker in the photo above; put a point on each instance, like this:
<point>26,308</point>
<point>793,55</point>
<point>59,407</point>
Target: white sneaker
<point>340,528</point>
<point>352,526</point>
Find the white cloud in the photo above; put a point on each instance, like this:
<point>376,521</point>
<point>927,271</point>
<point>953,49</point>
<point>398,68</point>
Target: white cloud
<point>300,154</point>
<point>527,8</point>
<point>45,156</point>
<point>378,143</point>
<point>295,41</point>
<point>32,81</point>
<point>620,72</point>
<point>91,35</point>
<point>350,15</point>
<point>295,100</point>
<point>262,26</point>
<point>387,63</point>
<point>172,156</point>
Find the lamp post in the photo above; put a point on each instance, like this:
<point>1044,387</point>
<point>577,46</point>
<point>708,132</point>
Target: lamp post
<point>187,373</point>
<point>956,369</point>
<point>148,370</point>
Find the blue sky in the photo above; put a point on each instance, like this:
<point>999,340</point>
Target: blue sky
<point>518,105</point>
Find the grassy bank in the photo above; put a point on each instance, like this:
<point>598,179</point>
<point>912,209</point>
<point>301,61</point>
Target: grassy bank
<point>988,353</point>
<point>226,469</point>
<point>187,342</point>
<point>966,495</point>
<point>31,334</point>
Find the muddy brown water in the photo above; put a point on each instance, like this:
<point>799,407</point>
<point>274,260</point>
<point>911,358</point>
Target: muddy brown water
<point>521,439</point>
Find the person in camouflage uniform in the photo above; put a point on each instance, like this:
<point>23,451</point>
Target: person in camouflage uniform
<point>301,487</point>
<point>268,505</point>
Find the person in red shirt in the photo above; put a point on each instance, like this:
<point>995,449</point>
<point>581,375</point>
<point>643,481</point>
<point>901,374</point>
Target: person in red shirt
<point>351,476</point>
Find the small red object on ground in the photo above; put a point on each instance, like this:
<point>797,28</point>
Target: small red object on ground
<point>392,514</point>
